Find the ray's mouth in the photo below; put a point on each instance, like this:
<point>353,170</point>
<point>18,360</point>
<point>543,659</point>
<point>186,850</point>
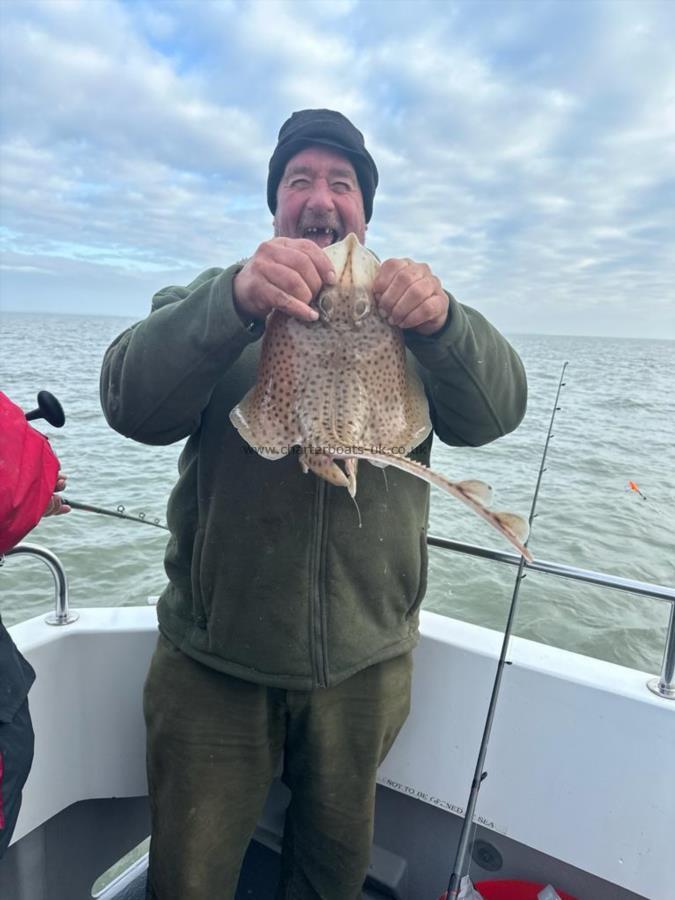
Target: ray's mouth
<point>321,235</point>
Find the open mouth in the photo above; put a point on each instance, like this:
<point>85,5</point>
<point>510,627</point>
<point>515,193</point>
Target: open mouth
<point>324,237</point>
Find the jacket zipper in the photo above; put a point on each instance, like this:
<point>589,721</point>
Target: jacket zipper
<point>319,656</point>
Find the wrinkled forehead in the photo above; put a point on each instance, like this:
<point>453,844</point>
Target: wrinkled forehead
<point>318,159</point>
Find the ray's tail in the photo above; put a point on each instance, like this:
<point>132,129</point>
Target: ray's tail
<point>475,494</point>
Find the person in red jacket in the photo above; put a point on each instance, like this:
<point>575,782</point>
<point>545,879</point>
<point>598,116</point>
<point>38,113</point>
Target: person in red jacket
<point>29,476</point>
<point>29,482</point>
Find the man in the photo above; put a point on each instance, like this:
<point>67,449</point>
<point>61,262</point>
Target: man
<point>286,630</point>
<point>29,478</point>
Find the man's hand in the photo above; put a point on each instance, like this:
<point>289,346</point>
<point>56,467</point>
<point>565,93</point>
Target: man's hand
<point>56,505</point>
<point>286,274</point>
<point>409,295</point>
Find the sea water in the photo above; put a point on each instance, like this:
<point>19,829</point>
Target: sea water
<point>616,424</point>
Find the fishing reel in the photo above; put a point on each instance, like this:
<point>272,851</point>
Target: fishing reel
<point>50,409</point>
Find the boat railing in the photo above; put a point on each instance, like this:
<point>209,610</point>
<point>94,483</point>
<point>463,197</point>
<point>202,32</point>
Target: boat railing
<point>664,684</point>
<point>62,614</point>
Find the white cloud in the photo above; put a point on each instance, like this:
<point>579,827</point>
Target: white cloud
<point>107,89</point>
<point>525,150</point>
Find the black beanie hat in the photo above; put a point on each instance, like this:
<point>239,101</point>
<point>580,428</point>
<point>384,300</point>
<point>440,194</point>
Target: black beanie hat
<point>322,126</point>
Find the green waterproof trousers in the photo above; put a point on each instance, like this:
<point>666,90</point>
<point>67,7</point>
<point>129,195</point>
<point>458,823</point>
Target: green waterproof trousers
<point>214,746</point>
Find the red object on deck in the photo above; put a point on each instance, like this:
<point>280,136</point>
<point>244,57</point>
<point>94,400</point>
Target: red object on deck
<point>512,890</point>
<point>28,473</point>
<point>515,890</point>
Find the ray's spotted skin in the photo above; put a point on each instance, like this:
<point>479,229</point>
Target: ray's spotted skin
<point>342,388</point>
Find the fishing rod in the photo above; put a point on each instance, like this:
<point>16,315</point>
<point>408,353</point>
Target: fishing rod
<point>479,774</point>
<point>50,409</point>
<point>119,513</point>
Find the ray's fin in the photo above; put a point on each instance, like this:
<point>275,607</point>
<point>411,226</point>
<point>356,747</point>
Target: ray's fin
<point>515,523</point>
<point>477,490</point>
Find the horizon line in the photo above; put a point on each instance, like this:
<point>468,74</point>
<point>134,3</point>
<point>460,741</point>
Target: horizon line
<point>99,315</point>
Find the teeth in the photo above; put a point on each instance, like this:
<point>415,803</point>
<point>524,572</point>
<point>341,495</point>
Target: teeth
<point>318,230</point>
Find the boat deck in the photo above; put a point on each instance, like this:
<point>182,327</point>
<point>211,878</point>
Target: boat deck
<point>578,790</point>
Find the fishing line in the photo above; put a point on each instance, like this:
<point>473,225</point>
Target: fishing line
<point>119,513</point>
<point>479,774</point>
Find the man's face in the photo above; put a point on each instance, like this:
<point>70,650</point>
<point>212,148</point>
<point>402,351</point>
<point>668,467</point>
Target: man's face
<point>319,198</point>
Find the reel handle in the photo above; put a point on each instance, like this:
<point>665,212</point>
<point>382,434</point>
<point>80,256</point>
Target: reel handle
<point>48,408</point>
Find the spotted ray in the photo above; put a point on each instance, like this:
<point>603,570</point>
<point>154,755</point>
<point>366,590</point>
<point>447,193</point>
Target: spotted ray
<point>342,388</point>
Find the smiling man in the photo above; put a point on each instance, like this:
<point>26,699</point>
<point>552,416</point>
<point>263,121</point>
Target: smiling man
<point>285,630</point>
<point>321,186</point>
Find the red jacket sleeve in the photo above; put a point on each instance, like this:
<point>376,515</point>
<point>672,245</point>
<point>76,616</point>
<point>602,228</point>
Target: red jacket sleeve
<point>28,473</point>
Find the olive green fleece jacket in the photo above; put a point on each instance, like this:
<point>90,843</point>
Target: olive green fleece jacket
<point>271,579</point>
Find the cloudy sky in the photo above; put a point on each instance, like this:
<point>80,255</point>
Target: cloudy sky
<point>526,149</point>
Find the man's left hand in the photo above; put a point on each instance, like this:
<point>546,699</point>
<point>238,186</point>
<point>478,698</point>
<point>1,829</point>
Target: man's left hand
<point>409,295</point>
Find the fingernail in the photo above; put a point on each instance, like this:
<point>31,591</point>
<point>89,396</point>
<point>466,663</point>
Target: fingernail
<point>331,277</point>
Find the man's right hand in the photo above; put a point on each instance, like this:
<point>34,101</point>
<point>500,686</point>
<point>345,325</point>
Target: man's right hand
<point>56,506</point>
<point>283,273</point>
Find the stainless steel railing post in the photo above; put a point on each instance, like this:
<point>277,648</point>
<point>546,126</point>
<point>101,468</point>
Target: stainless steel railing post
<point>61,615</point>
<point>665,685</point>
